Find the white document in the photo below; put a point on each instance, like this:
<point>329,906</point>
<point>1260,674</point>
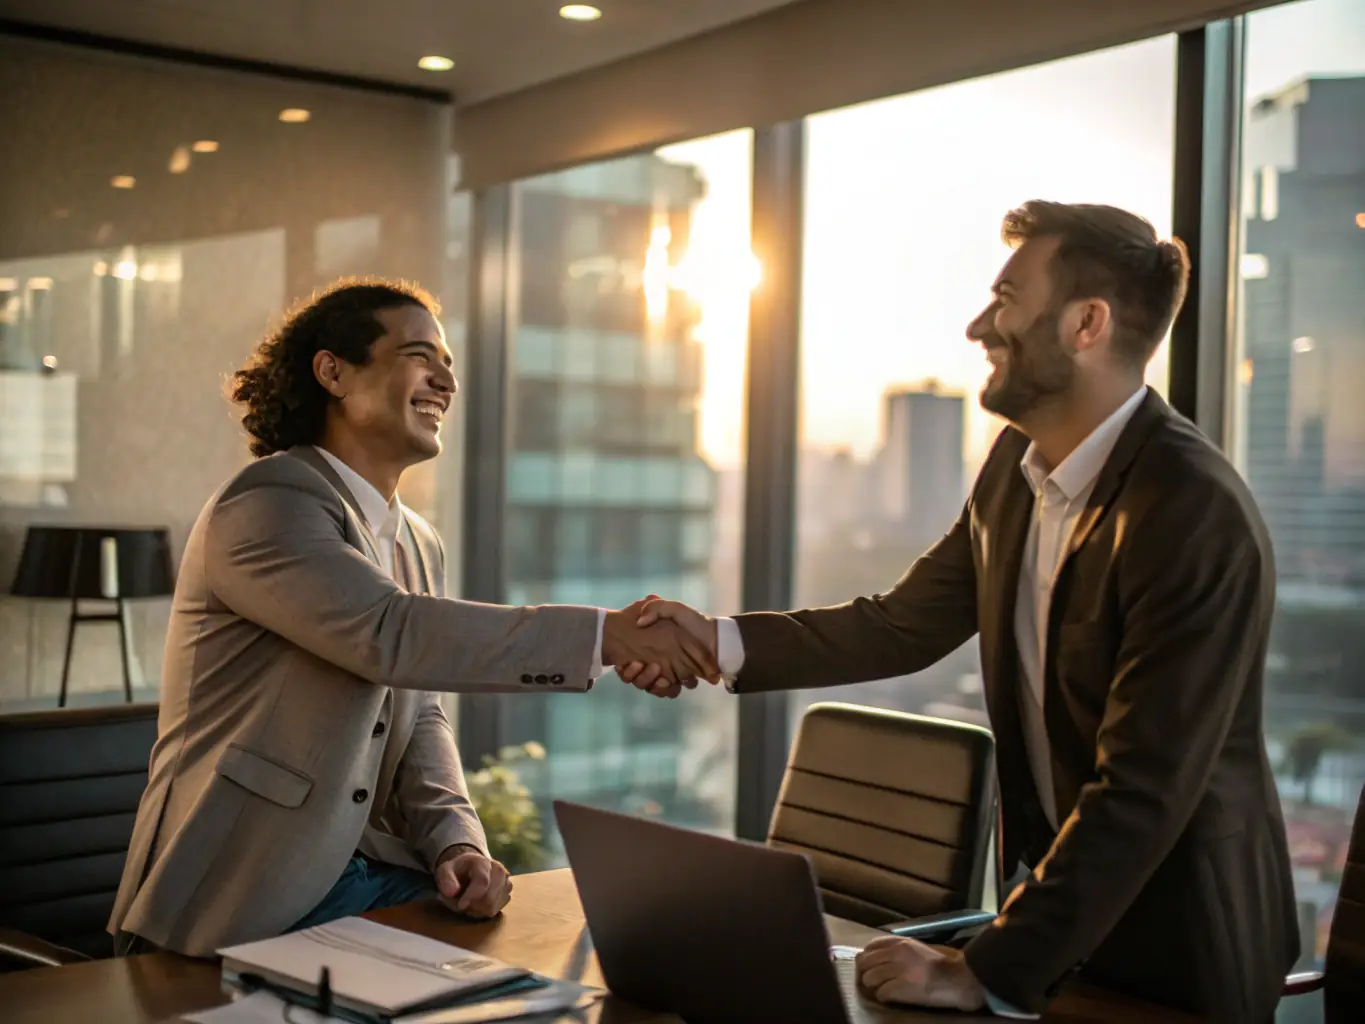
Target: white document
<point>374,969</point>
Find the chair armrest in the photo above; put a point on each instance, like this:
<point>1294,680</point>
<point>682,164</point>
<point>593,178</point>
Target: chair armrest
<point>1302,982</point>
<point>939,926</point>
<point>35,952</point>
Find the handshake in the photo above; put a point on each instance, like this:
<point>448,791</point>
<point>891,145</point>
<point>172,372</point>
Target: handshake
<point>661,646</point>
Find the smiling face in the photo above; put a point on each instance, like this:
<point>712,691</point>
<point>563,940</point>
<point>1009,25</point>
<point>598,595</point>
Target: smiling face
<point>1021,332</point>
<point>392,405</point>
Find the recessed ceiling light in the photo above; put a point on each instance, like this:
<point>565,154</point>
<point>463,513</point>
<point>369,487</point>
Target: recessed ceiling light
<point>1360,220</point>
<point>180,160</point>
<point>123,181</point>
<point>579,12</point>
<point>294,115</point>
<point>435,63</point>
<point>205,146</point>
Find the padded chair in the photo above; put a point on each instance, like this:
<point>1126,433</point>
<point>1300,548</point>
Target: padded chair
<point>1342,979</point>
<point>70,782</point>
<point>895,811</point>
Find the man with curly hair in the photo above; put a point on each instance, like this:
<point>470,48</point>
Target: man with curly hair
<point>304,769</point>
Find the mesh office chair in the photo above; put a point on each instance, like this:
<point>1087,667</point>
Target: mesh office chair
<point>70,782</point>
<point>896,812</point>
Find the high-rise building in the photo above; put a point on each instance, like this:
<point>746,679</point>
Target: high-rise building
<point>1304,325</point>
<point>608,497</point>
<point>920,468</point>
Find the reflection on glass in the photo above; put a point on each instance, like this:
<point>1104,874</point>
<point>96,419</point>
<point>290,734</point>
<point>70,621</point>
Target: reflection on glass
<point>138,266</point>
<point>624,470</point>
<point>904,199</point>
<point>1298,422</point>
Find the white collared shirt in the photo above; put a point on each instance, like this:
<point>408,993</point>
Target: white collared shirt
<point>383,516</point>
<point>1060,497</point>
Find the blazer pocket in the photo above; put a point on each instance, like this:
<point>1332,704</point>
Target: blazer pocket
<point>264,777</point>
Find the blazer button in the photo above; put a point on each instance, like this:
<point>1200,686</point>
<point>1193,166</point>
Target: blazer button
<point>527,679</point>
<point>557,679</point>
<point>360,795</point>
<point>542,679</point>
<point>378,729</point>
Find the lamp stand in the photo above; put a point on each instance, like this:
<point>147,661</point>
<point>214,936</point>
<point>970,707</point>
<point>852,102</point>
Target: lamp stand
<point>119,615</point>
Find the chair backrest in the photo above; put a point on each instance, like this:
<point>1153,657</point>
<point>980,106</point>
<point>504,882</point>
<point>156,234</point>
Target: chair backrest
<point>895,811</point>
<point>1344,982</point>
<point>70,782</point>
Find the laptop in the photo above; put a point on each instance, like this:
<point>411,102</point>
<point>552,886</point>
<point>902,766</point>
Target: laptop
<point>713,930</point>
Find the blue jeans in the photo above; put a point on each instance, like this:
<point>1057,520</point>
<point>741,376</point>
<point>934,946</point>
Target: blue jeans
<point>368,884</point>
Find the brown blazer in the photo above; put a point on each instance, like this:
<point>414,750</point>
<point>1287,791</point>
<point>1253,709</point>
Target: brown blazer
<point>1170,877</point>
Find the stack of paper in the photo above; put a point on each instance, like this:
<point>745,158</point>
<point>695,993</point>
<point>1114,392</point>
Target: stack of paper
<point>376,972</point>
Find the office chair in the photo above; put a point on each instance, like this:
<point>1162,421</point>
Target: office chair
<point>1342,979</point>
<point>70,782</point>
<point>896,813</point>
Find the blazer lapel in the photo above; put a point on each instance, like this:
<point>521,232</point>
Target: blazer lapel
<point>417,555</point>
<point>1151,413</point>
<point>307,453</point>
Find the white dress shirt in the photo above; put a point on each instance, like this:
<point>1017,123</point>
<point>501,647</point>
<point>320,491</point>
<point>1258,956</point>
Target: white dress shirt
<point>1060,496</point>
<point>385,519</point>
<point>382,516</point>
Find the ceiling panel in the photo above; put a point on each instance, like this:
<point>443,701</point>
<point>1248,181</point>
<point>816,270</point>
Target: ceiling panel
<point>499,46</point>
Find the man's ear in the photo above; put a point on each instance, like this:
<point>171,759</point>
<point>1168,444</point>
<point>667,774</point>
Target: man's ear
<point>1089,323</point>
<point>327,370</point>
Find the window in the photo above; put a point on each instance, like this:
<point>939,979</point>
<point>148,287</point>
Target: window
<point>904,199</point>
<point>155,218</point>
<point>1298,432</point>
<point>629,314</point>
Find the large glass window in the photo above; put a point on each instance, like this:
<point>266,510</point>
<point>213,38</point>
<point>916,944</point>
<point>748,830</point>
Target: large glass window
<point>904,199</point>
<point>1298,429</point>
<point>625,456</point>
<point>155,219</point>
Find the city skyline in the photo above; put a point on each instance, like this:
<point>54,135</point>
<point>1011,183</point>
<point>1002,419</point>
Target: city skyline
<point>902,244</point>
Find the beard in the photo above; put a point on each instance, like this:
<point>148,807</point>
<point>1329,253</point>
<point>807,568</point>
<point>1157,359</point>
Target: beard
<point>1037,370</point>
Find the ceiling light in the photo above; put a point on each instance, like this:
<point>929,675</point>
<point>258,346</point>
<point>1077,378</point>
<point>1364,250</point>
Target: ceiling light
<point>435,63</point>
<point>1360,220</point>
<point>180,160</point>
<point>205,146</point>
<point>579,12</point>
<point>123,181</point>
<point>294,115</point>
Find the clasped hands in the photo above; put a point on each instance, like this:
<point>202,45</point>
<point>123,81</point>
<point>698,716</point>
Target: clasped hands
<point>662,647</point>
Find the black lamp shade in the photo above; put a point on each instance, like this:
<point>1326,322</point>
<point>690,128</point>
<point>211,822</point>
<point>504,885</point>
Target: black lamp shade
<point>85,561</point>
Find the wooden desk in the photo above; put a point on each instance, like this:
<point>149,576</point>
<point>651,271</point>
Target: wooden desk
<point>538,930</point>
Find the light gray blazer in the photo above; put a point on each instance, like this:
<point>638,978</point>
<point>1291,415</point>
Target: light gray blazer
<point>297,723</point>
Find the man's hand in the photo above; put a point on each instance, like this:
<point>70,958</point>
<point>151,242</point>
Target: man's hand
<point>702,628</point>
<point>471,883</point>
<point>901,970</point>
<point>659,657</point>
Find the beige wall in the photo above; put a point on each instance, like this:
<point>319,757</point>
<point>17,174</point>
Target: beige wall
<point>220,248</point>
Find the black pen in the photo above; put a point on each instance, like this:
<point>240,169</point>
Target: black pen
<point>323,1003</point>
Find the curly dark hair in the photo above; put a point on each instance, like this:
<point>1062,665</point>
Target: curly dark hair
<point>285,403</point>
